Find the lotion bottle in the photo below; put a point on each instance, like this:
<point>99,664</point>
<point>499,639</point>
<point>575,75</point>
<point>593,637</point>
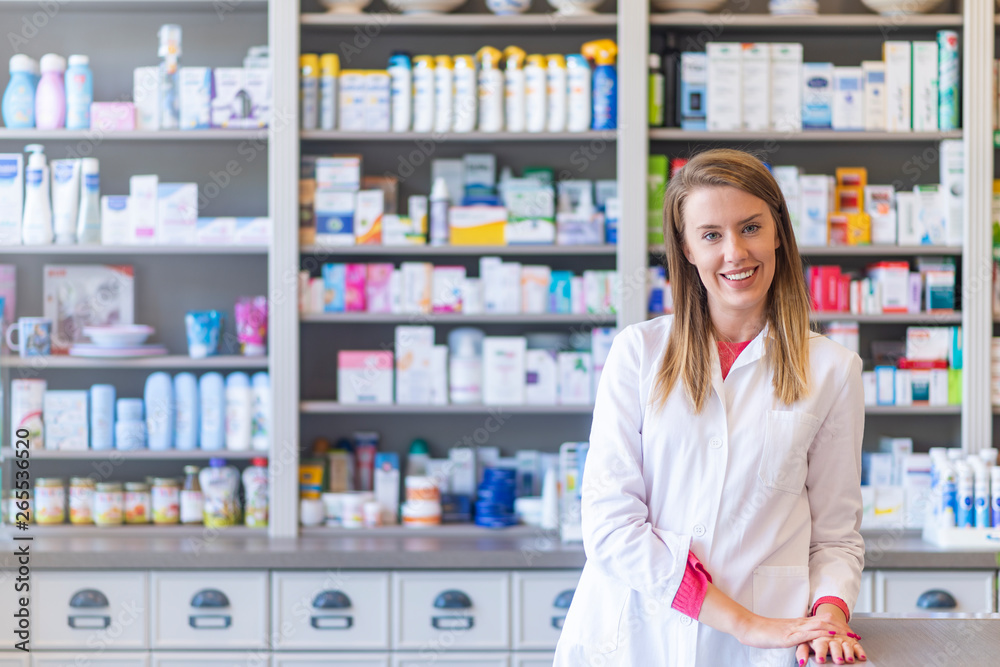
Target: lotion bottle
<point>186,423</point>
<point>401,92</point>
<point>88,222</point>
<point>491,93</point>
<point>79,93</point>
<point>439,203</point>
<point>37,220</point>
<point>19,97</point>
<point>159,408</point>
<point>212,407</point>
<point>260,424</point>
<point>466,94</point>
<point>514,88</point>
<point>50,97</point>
<point>239,409</point>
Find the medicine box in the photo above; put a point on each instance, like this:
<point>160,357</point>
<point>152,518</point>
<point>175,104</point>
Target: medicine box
<point>725,86</point>
<point>146,97</point>
<point>215,231</point>
<point>195,98</point>
<point>341,172</point>
<point>414,349</point>
<point>335,217</point>
<point>116,224</point>
<point>376,101</point>
<point>786,87</point>
<point>253,231</point>
<point>352,93</point>
<point>503,370</point>
<point>694,93</point>
<point>873,73</point>
<point>334,288</point>
<point>817,96</point>
<point>11,197</point>
<point>541,377</point>
<point>143,205</point>
<point>756,76</point>
<point>446,284</point>
<point>848,99</point>
<point>177,213</point>
<point>575,378</point>
<point>370,206</point>
<point>112,116</point>
<point>364,377</point>
<point>898,85</point>
<point>230,103</point>
<point>925,86</point>
<point>65,415</point>
<point>477,225</point>
<point>260,90</point>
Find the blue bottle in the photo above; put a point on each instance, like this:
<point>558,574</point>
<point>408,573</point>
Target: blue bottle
<point>186,423</point>
<point>79,93</point>
<point>19,98</point>
<point>159,404</point>
<point>604,53</point>
<point>212,410</point>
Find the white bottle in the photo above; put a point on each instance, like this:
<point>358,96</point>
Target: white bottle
<point>535,94</point>
<point>37,221</point>
<point>466,94</point>
<point>514,88</point>
<point>65,199</point>
<point>491,94</point>
<point>444,93</point>
<point>256,494</point>
<point>556,93</point>
<point>260,424</point>
<point>579,92</point>
<point>439,203</point>
<point>423,94</point>
<point>239,411</point>
<point>465,365</point>
<point>329,71</point>
<point>212,411</point>
<point>88,223</point>
<point>401,92</point>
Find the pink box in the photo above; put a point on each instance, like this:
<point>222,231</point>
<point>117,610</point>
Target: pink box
<point>354,285</point>
<point>377,288</point>
<point>364,376</point>
<point>112,116</point>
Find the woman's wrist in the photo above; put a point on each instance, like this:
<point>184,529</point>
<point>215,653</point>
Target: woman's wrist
<point>836,612</point>
<point>722,613</point>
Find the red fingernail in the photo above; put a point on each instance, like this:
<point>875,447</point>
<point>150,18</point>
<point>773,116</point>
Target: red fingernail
<point>850,660</point>
<point>832,632</point>
<point>801,662</point>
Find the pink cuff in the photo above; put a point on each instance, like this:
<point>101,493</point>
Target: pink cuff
<point>694,586</point>
<point>829,599</point>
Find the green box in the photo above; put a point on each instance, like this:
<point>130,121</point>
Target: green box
<point>656,187</point>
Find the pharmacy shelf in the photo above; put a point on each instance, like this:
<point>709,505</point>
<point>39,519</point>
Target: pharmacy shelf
<point>746,136</point>
<point>133,250</point>
<point>913,410</point>
<point>219,7</point>
<point>889,318</point>
<point>442,137</point>
<point>59,362</point>
<point>97,137</point>
<point>133,455</point>
<point>818,23</point>
<point>460,250</point>
<point>465,23</point>
<point>862,250</point>
<point>335,408</point>
<point>132,530</point>
<point>445,531</point>
<point>457,318</point>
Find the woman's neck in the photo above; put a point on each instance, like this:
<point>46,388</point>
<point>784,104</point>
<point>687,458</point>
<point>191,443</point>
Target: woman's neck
<point>737,329</point>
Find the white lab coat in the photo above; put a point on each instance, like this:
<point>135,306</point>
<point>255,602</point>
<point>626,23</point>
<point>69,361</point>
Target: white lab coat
<point>766,495</point>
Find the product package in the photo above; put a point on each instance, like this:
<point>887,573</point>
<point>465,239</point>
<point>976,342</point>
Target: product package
<point>65,415</point>
<point>81,295</point>
<point>364,377</point>
<point>11,197</point>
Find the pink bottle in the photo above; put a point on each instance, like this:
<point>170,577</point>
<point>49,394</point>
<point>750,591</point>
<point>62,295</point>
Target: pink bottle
<point>50,98</point>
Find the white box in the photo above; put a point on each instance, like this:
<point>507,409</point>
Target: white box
<point>510,294</point>
<point>417,281</point>
<point>253,231</point>
<point>930,214</point>
<point>535,281</point>
<point>364,377</point>
<point>116,225</point>
<point>906,219</point>
<point>177,213</point>
<point>575,378</point>
<point>904,387</point>
<point>351,93</point>
<point>756,76</point>
<point>446,295</point>
<point>416,209</point>
<point>260,90</point>
<point>951,161</point>
<point>368,212</point>
<point>928,343</point>
<point>880,465</point>
<point>377,105</point>
<point>143,208</point>
<point>788,180</point>
<point>817,96</point>
<point>438,388</point>
<point>195,98</point>
<point>66,418</point>
<point>925,86</point>
<point>848,99</point>
<point>334,217</point>
<point>885,385</point>
<point>786,87</point>
<point>503,370</point>
<point>453,172</point>
<point>817,200</point>
<point>898,86</point>
<point>480,170</point>
<point>694,79</point>
<point>601,339</point>
<point>215,231</point>
<point>541,377</point>
<point>11,197</point>
<point>880,205</point>
<point>338,173</point>
<point>725,87</point>
<point>227,107</point>
<point>414,345</point>
<point>870,387</point>
<point>146,97</point>
<point>873,72</point>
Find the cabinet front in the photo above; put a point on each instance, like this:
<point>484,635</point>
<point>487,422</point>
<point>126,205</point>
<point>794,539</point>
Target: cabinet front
<point>866,596</point>
<point>332,660</point>
<point>215,610</point>
<point>533,659</point>
<point>211,659</point>
<point>921,592</point>
<point>18,659</point>
<point>541,600</point>
<point>423,659</point>
<point>91,609</point>
<point>330,610</point>
<point>444,611</point>
<point>99,659</point>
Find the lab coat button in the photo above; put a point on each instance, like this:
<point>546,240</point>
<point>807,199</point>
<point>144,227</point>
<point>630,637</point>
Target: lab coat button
<point>715,443</point>
<point>699,530</point>
<point>685,621</point>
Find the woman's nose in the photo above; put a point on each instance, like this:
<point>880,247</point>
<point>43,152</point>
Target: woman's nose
<point>735,249</point>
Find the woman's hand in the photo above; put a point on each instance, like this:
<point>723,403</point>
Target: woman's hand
<point>763,632</point>
<point>842,643</point>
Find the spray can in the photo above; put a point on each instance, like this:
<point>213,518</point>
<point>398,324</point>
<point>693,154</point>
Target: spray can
<point>401,91</point>
<point>423,94</point>
<point>466,94</point>
<point>444,93</point>
<point>491,95</point>
<point>579,84</point>
<point>309,90</point>
<point>556,92</point>
<point>604,52</point>
<point>439,203</point>
<point>966,489</point>
<point>170,54</point>
<point>514,87</point>
<point>329,72</point>
<point>535,93</point>
<point>948,80</point>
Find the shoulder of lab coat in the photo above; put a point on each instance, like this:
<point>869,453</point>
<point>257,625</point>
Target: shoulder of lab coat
<point>617,535</point>
<point>833,483</point>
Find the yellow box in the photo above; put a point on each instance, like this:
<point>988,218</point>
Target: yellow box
<point>477,225</point>
<point>859,229</point>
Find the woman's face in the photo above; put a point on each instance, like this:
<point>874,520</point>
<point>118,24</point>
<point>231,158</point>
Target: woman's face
<point>730,236</point>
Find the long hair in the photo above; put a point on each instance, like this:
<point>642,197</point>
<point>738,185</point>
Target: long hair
<point>689,352</point>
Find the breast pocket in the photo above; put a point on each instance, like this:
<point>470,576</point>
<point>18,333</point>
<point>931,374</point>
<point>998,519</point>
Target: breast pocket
<point>787,436</point>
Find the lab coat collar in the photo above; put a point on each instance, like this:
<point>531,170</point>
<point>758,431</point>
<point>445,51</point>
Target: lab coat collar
<point>753,352</point>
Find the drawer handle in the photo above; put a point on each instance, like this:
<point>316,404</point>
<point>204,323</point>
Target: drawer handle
<point>210,621</point>
<point>936,599</point>
<point>209,598</point>
<point>452,599</point>
<point>88,598</point>
<point>86,622</point>
<point>452,622</point>
<point>557,622</point>
<point>564,599</point>
<point>332,622</point>
<point>331,600</point>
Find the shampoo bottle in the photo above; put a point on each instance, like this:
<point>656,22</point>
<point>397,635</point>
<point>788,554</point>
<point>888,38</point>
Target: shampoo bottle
<point>439,204</point>
<point>491,94</point>
<point>186,423</point>
<point>444,93</point>
<point>50,98</point>
<point>466,94</point>
<point>578,91</point>
<point>212,406</point>
<point>37,221</point>
<point>19,97</point>
<point>65,199</point>
<point>556,91</point>
<point>255,493</point>
<point>514,88</point>
<point>260,426</point>
<point>535,94</point>
<point>79,93</point>
<point>400,92</point>
<point>239,410</point>
<point>88,222</point>
<point>159,407</point>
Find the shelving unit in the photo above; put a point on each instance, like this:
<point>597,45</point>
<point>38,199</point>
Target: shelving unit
<point>133,135</point>
<point>337,135</point>
<point>873,251</point>
<point>458,250</point>
<point>890,318</point>
<point>458,318</point>
<point>164,362</point>
<point>134,455</point>
<point>334,408</point>
<point>130,250</point>
<point>670,134</point>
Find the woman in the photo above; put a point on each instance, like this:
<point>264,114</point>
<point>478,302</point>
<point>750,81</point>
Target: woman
<point>721,494</point>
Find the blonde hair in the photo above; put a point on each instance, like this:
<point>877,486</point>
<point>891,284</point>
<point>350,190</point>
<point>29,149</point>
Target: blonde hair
<point>689,353</point>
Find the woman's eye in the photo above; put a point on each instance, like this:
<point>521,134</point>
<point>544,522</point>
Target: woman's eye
<point>712,236</point>
<point>751,228</point>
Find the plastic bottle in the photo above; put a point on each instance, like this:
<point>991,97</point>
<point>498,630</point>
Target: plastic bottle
<point>212,410</point>
<point>19,97</point>
<point>309,90</point>
<point>465,365</point>
<point>578,91</point>
<point>603,53</point>
<point>65,199</point>
<point>949,495</point>
<point>401,91</point>
<point>966,491</point>
<point>218,487</point>
<point>444,93</point>
<point>466,94</point>
<point>79,93</point>
<point>50,97</point>
<point>416,460</point>
<point>192,501</point>
<point>255,492</point>
<point>556,92</point>
<point>656,90</point>
<point>535,93</point>
<point>491,93</point>
<point>159,405</point>
<point>982,502</point>
<point>185,411</point>
<point>260,426</point>
<point>88,221</point>
<point>170,54</point>
<point>995,496</point>
<point>36,224</point>
<point>329,72</point>
<point>102,416</point>
<point>514,88</point>
<point>239,411</point>
<point>439,203</point>
<point>550,498</point>
<point>423,94</point>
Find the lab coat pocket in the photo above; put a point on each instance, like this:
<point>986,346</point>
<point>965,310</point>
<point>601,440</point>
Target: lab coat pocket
<point>787,436</point>
<point>781,591</point>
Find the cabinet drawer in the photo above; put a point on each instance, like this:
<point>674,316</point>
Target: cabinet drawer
<point>541,600</point>
<point>209,610</point>
<point>75,659</point>
<point>533,659</point>
<point>935,591</point>
<point>332,660</point>
<point>210,659</point>
<point>91,609</point>
<point>866,596</point>
<point>452,659</point>
<point>330,611</point>
<point>18,659</point>
<point>435,611</point>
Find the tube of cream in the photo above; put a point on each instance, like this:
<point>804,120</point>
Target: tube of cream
<point>65,199</point>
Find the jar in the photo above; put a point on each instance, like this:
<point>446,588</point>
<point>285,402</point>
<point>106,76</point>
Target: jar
<point>81,500</point>
<point>108,504</point>
<point>19,497</point>
<point>192,502</point>
<point>166,500</point>
<point>136,502</point>
<point>421,487</point>
<point>50,501</point>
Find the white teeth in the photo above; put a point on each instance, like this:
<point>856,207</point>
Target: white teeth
<point>739,276</point>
